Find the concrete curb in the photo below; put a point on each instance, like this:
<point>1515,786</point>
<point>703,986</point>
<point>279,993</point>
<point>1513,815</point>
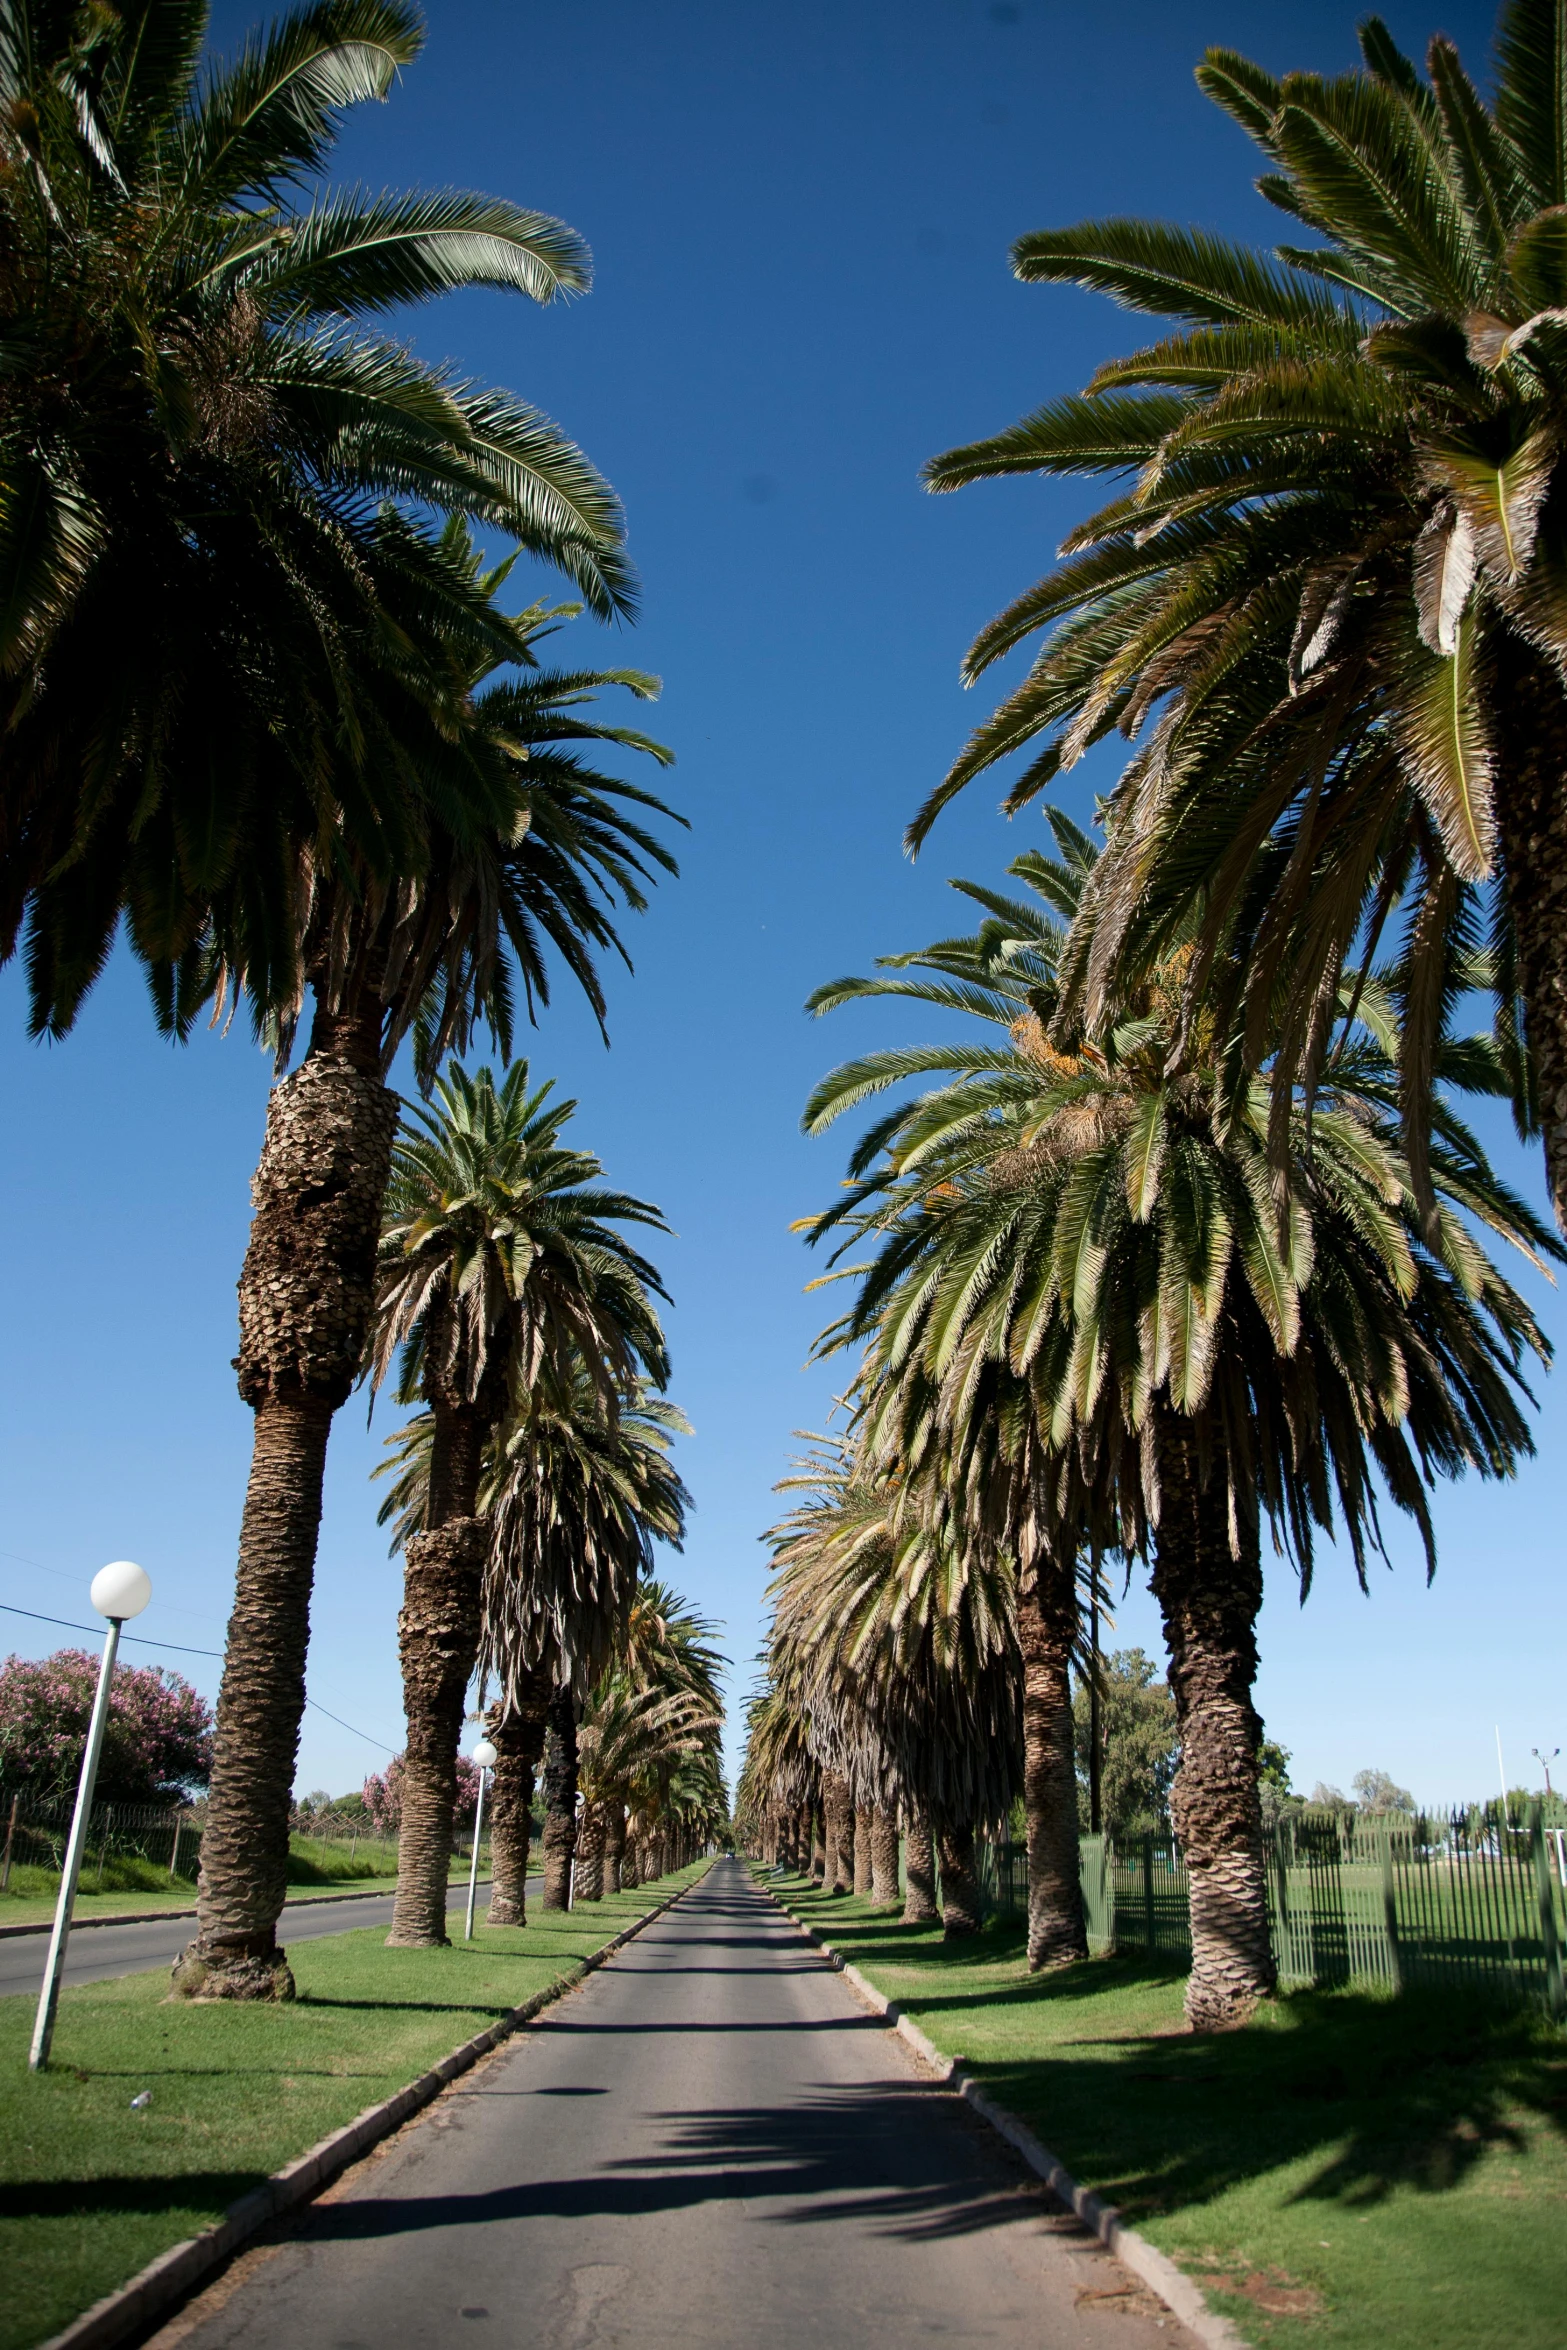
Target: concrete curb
<point>153,2290</point>
<point>1155,2268</point>
<point>369,1889</point>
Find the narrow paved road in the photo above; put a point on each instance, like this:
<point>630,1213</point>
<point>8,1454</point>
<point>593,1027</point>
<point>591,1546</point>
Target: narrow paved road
<point>97,1952</point>
<point>711,2146</point>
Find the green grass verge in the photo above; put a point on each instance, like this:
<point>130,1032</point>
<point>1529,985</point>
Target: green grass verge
<point>91,2190</point>
<point>1349,2172</point>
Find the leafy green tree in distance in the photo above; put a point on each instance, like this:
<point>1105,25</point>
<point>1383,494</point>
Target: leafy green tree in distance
<point>1140,1746</point>
<point>1331,584</point>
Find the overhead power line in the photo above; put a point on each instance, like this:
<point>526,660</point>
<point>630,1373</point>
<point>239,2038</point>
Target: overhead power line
<point>141,1641</point>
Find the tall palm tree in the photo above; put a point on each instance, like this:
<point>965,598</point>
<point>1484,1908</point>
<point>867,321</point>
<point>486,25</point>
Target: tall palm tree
<point>1332,575</point>
<point>210,633</point>
<point>503,1265</point>
<point>581,1491</point>
<point>432,955</point>
<point>1085,1276</point>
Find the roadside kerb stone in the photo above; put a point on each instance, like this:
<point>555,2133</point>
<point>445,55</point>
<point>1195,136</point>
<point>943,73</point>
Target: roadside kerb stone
<point>1155,2268</point>
<point>169,2278</point>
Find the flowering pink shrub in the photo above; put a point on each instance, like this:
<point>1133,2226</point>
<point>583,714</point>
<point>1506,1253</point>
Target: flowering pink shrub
<point>157,1743</point>
<point>384,1794</point>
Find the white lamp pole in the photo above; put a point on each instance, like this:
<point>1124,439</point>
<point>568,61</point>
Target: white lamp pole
<point>484,1755</point>
<point>119,1592</point>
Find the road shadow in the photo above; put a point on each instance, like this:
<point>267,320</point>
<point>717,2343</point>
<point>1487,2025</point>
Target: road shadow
<point>907,2163</point>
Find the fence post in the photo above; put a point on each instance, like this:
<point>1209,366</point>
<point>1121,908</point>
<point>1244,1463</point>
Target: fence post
<point>1148,1888</point>
<point>10,1839</point>
<point>1555,2000</point>
<point>1390,1911</point>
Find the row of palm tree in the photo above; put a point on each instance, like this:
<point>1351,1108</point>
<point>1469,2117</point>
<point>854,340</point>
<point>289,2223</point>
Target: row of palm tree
<point>527,1493</point>
<point>1197,1249</point>
<point>1092,1317</point>
<point>267,718</point>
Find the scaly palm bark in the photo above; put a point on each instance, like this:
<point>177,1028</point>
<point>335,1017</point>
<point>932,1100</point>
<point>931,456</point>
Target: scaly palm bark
<point>919,1867</point>
<point>1047,1624</point>
<point>961,1910</point>
<point>1210,1600</point>
<point>884,1858</point>
<point>305,1297</point>
<point>614,1847</point>
<point>517,1733</point>
<point>864,1863</point>
<point>560,1799</point>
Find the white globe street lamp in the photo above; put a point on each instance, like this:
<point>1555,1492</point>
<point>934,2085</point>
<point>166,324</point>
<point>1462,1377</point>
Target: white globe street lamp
<point>119,1591</point>
<point>484,1754</point>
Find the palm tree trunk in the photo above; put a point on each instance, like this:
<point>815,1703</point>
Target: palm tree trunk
<point>518,1738</point>
<point>614,1846</point>
<point>1531,803</point>
<point>305,1296</point>
<point>919,1868</point>
<point>591,1841</point>
<point>818,1868</point>
<point>959,1883</point>
<point>1047,1624</point>
<point>437,1642</point>
<point>1210,1600</point>
<point>884,1858</point>
<point>836,1815</point>
<point>864,1863</point>
<point>560,1799</point>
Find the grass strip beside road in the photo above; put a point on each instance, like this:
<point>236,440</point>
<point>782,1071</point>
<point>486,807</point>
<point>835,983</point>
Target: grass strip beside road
<point>91,2188</point>
<point>128,1882</point>
<point>1348,2172</point>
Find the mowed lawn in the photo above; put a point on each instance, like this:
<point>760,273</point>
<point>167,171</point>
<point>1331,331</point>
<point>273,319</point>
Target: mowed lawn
<point>92,2188</point>
<point>1348,2172</point>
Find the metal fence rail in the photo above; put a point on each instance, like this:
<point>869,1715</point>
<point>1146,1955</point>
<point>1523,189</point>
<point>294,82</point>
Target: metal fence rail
<point>1465,1901</point>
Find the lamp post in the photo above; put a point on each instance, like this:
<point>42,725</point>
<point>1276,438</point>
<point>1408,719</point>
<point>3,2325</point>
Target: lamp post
<point>484,1756</point>
<point>1545,1761</point>
<point>119,1591</point>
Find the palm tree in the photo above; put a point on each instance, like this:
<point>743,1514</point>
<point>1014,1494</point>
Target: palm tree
<point>900,1652</point>
<point>198,627</point>
<point>503,1266</point>
<point>1085,1283</point>
<point>1333,567</point>
<point>432,956</point>
<point>582,1488</point>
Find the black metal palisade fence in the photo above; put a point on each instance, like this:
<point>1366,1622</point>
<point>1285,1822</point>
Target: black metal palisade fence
<point>1385,1899</point>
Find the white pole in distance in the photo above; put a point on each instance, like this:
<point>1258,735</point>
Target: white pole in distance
<point>485,1756</point>
<point>119,1592</point>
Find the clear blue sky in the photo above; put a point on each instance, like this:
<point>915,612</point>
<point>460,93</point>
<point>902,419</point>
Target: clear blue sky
<point>800,217</point>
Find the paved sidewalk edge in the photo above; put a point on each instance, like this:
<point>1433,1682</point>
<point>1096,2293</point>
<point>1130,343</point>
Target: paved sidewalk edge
<point>367,1889</point>
<point>1156,2269</point>
<point>174,2273</point>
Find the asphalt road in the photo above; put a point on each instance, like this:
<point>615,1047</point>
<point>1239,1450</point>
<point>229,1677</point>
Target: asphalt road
<point>710,2146</point>
<point>100,1951</point>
